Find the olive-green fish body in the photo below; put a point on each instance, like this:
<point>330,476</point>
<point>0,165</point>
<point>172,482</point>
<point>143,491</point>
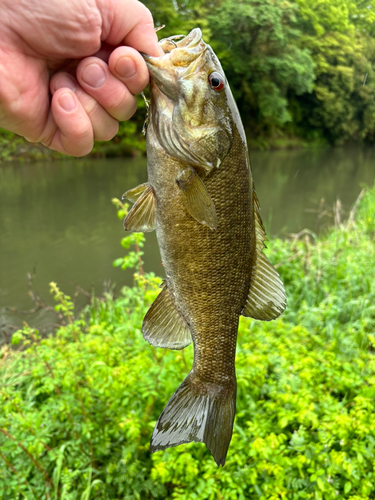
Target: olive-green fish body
<point>199,198</point>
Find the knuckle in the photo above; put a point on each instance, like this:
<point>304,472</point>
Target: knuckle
<point>79,141</point>
<point>119,102</point>
<point>105,127</point>
<point>46,141</point>
<point>117,97</point>
<point>90,38</point>
<point>45,136</point>
<point>89,104</point>
<point>82,135</point>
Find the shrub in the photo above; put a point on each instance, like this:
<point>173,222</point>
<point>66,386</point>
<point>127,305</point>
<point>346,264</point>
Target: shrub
<point>78,408</point>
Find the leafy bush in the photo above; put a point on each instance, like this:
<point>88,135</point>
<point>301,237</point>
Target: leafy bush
<point>14,146</point>
<point>78,408</point>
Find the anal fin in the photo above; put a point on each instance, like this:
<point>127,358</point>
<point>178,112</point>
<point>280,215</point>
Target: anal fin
<point>196,198</point>
<point>142,216</point>
<point>266,299</point>
<point>163,326</point>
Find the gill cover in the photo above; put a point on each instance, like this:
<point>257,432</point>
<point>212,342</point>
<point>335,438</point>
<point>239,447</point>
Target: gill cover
<point>192,120</point>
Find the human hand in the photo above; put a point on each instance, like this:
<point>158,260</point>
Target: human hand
<point>90,47</point>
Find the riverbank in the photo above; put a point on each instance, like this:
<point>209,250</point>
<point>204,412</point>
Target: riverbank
<point>77,409</point>
<point>16,148</point>
<point>59,221</point>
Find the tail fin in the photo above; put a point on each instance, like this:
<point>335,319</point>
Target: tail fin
<point>200,412</point>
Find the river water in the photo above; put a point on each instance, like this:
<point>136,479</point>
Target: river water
<point>57,219</point>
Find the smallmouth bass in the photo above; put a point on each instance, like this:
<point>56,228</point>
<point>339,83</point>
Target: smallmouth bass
<point>200,199</point>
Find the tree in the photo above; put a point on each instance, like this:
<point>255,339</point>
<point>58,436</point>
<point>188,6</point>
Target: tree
<point>336,32</point>
<point>257,44</point>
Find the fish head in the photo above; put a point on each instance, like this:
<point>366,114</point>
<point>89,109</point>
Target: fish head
<point>192,107</point>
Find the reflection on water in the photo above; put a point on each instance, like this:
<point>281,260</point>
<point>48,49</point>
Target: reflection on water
<point>58,217</point>
<point>292,184</point>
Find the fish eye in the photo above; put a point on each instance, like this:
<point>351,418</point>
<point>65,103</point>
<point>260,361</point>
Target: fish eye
<point>216,81</point>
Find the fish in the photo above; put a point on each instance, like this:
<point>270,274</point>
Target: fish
<point>200,199</point>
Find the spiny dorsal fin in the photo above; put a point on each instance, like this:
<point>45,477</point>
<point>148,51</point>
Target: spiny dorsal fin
<point>196,198</point>
<point>135,193</point>
<point>163,326</point>
<point>266,299</point>
<point>142,216</point>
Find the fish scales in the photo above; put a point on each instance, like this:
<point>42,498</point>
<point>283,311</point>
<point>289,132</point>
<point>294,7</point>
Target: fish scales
<point>204,267</point>
<point>199,198</point>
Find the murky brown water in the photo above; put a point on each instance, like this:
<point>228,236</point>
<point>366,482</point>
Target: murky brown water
<point>58,217</point>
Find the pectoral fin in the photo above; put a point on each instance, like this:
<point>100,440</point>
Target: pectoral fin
<point>196,198</point>
<point>135,193</point>
<point>163,325</point>
<point>266,299</point>
<point>142,216</point>
<point>212,148</point>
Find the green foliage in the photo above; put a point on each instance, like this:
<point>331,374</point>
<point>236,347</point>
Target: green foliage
<point>180,17</point>
<point>78,408</point>
<point>133,258</point>
<point>13,146</point>
<point>257,44</point>
<point>8,144</point>
<point>65,305</point>
<point>69,423</point>
<point>336,34</point>
<point>297,68</point>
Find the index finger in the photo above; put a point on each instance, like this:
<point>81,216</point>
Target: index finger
<point>129,22</point>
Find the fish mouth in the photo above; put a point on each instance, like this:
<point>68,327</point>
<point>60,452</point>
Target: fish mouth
<point>189,41</point>
<point>181,54</point>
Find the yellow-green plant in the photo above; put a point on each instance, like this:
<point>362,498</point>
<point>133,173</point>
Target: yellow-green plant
<point>78,408</point>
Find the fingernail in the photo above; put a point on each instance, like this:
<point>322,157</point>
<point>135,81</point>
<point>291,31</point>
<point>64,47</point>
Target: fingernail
<point>67,102</point>
<point>126,67</point>
<point>94,75</point>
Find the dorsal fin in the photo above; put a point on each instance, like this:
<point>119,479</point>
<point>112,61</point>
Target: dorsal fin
<point>266,299</point>
<point>142,216</point>
<point>163,325</point>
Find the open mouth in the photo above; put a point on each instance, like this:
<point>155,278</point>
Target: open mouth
<point>189,48</point>
<point>188,42</point>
